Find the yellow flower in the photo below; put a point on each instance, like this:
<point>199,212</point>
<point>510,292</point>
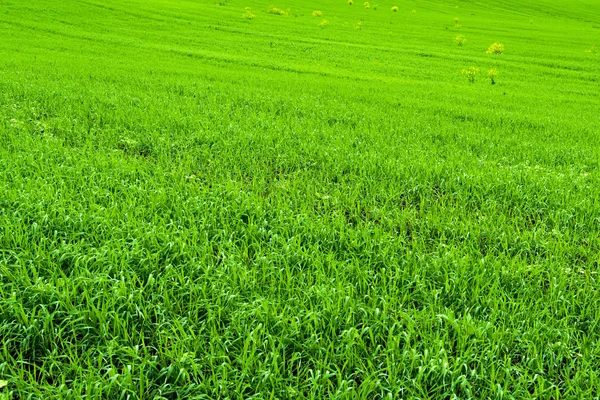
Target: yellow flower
<point>492,75</point>
<point>496,48</point>
<point>276,11</point>
<point>470,73</point>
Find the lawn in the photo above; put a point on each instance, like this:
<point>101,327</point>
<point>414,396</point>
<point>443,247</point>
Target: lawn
<point>254,200</point>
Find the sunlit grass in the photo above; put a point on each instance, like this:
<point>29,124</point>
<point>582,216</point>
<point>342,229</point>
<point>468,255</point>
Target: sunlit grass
<point>195,205</point>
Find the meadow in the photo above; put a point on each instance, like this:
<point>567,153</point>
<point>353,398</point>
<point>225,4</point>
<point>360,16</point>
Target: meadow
<point>241,199</point>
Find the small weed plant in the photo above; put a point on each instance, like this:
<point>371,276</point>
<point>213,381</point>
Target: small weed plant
<point>276,10</point>
<point>461,40</point>
<point>317,13</point>
<point>248,13</point>
<point>495,48</point>
<point>470,73</point>
<point>492,74</point>
<point>324,23</point>
<point>366,5</point>
<point>395,8</point>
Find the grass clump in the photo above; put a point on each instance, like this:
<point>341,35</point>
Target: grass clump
<point>136,148</point>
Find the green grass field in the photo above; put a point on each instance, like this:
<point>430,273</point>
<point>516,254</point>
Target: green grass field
<point>212,201</point>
